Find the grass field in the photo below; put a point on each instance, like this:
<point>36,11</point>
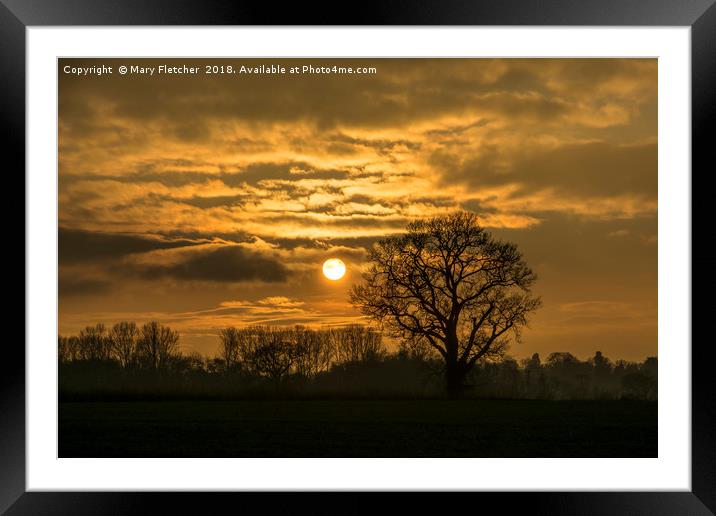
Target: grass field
<point>425,428</point>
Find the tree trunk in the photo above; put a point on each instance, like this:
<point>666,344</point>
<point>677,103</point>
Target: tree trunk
<point>453,373</point>
<point>454,378</point>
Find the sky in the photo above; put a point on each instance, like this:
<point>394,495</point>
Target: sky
<point>205,201</point>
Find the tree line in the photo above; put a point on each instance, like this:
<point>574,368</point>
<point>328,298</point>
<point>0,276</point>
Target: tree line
<point>152,345</point>
<point>262,351</point>
<point>352,361</point>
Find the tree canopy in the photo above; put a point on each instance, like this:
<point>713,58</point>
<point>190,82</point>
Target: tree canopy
<point>449,283</point>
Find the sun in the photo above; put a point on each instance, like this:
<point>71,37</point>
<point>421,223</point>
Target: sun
<point>334,269</point>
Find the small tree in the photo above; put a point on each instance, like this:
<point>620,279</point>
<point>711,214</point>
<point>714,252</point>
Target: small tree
<point>230,347</point>
<point>273,355</point>
<point>94,344</point>
<point>356,343</point>
<point>158,344</point>
<point>312,351</point>
<point>68,349</point>
<point>451,283</point>
<point>123,340</point>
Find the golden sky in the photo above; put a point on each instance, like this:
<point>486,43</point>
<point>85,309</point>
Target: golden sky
<point>204,201</point>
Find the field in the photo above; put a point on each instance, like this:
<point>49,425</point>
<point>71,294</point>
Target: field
<point>392,428</point>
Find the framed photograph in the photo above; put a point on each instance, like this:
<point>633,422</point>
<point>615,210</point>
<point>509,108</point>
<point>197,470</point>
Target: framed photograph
<point>445,248</point>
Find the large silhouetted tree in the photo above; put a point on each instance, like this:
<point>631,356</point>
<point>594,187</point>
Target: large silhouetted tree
<point>450,283</point>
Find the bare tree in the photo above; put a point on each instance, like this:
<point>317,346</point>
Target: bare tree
<point>356,343</point>
<point>123,340</point>
<point>273,355</point>
<point>68,349</point>
<point>311,350</point>
<point>417,349</point>
<point>230,347</point>
<point>248,339</point>
<point>94,344</point>
<point>451,283</point>
<point>158,344</point>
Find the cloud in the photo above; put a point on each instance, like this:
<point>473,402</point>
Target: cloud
<point>403,91</point>
<point>341,143</point>
<point>595,307</point>
<point>320,152</point>
<point>286,171</point>
<point>587,169</point>
<point>281,301</point>
<point>170,178</point>
<point>229,264</point>
<point>217,201</point>
<point>76,245</point>
<point>69,286</point>
<point>606,314</point>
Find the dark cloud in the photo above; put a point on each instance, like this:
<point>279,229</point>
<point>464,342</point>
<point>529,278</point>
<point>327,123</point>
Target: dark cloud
<point>584,169</point>
<point>520,107</point>
<point>520,79</point>
<point>192,131</point>
<point>594,260</point>
<point>213,202</point>
<point>223,264</point>
<point>363,221</point>
<point>456,130</point>
<point>478,207</point>
<point>402,91</point>
<point>206,236</point>
<point>76,245</point>
<point>383,147</point>
<point>71,286</point>
<point>171,178</point>
<point>249,145</point>
<point>286,171</point>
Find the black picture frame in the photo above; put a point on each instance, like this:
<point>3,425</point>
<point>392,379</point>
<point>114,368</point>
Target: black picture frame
<point>17,15</point>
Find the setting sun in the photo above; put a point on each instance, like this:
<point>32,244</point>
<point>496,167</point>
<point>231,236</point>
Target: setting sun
<point>334,269</point>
